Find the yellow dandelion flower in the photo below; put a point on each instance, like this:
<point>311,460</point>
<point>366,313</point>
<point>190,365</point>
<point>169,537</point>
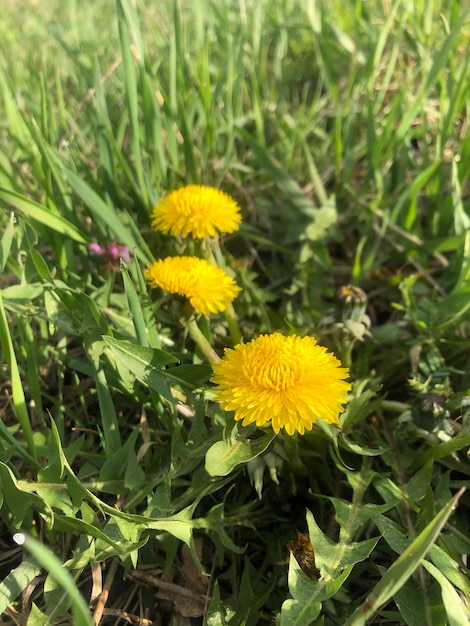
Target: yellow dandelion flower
<point>291,381</point>
<point>196,211</point>
<point>207,287</point>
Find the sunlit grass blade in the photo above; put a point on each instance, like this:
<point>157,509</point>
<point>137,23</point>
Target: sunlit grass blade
<point>19,400</point>
<point>5,243</point>
<point>132,87</point>
<point>109,420</point>
<point>440,61</point>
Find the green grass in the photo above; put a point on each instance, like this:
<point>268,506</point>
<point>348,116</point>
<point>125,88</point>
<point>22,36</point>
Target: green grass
<point>341,130</point>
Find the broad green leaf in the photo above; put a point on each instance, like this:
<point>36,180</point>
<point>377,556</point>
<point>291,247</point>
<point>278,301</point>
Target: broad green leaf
<point>16,581</point>
<point>309,590</point>
<point>22,293</point>
<point>225,455</point>
<point>49,561</point>
<point>295,613</point>
<point>304,608</point>
<point>403,567</point>
<point>193,375</point>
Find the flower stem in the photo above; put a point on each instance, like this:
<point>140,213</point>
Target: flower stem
<point>216,256</point>
<point>201,341</point>
<point>232,323</point>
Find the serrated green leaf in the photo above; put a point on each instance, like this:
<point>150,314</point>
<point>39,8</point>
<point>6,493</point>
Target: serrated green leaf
<point>330,557</point>
<point>76,526</point>
<point>18,500</point>
<point>307,589</point>
<point>145,363</point>
<point>353,517</point>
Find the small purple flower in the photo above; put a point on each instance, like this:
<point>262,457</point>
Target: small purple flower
<point>121,251</point>
<point>95,248</point>
<point>113,252</point>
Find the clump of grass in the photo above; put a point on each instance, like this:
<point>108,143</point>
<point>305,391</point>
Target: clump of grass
<point>340,130</point>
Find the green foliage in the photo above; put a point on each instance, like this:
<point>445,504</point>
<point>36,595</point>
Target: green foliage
<point>339,127</point>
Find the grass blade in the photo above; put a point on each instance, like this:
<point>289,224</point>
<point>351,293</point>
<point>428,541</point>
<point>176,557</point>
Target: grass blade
<point>403,567</point>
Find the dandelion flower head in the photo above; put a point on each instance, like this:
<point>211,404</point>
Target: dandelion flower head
<point>290,381</point>
<point>196,211</point>
<point>207,287</point>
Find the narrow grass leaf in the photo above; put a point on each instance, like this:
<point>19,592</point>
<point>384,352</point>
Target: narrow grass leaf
<point>457,612</point>
<point>440,61</point>
<point>109,419</point>
<point>19,400</point>
<point>290,187</point>
<point>131,85</point>
<point>146,307</point>
<point>442,450</point>
<point>135,308</point>
<point>104,214</point>
<point>7,240</point>
<point>403,567</point>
